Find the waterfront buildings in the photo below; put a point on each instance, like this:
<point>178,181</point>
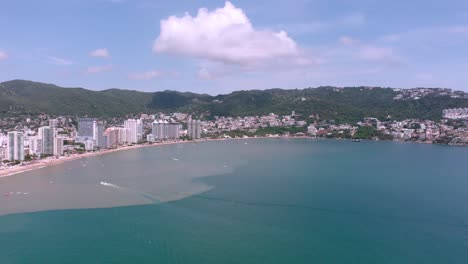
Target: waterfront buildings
<point>15,146</point>
<point>134,130</point>
<point>86,127</point>
<point>163,130</point>
<point>115,136</point>
<point>99,137</point>
<point>58,146</point>
<point>46,137</point>
<point>34,145</point>
<point>194,129</point>
<point>2,153</point>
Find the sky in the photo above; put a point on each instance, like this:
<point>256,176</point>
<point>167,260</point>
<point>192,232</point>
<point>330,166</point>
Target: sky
<point>217,47</point>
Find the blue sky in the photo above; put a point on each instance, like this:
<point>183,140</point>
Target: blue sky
<point>237,45</point>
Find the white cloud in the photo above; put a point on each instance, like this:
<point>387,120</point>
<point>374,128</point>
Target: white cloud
<point>99,69</point>
<point>148,75</point>
<point>100,53</point>
<point>224,35</point>
<point>59,61</point>
<point>3,55</point>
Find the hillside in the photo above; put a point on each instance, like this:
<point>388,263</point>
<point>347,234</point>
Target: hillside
<point>341,104</point>
<point>33,97</point>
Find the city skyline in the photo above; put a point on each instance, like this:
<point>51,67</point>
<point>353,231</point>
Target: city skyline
<point>134,45</point>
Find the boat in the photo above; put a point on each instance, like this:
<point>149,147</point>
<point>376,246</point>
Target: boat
<point>104,183</point>
<point>356,140</point>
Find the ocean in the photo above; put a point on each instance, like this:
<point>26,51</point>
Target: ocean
<point>243,201</point>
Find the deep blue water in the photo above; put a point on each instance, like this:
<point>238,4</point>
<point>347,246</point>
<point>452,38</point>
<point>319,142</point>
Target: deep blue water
<point>268,201</point>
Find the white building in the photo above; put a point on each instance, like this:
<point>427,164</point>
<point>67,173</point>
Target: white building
<point>312,130</point>
<point>86,128</point>
<point>53,123</point>
<point>134,130</point>
<point>89,145</point>
<point>194,129</point>
<point>163,130</point>
<point>3,152</point>
<point>46,137</point>
<point>455,113</point>
<point>98,135</point>
<point>3,140</point>
<point>34,145</point>
<point>15,146</point>
<point>58,147</point>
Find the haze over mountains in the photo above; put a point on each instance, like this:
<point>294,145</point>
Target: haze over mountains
<point>340,104</point>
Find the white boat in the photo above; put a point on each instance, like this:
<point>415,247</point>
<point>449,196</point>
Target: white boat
<point>105,183</point>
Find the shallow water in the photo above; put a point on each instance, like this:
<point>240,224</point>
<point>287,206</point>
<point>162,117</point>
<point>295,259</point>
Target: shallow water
<point>270,201</point>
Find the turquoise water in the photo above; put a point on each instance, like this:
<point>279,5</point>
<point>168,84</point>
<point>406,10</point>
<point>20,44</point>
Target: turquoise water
<point>267,201</point>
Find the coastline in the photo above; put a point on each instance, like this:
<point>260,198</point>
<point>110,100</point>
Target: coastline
<point>51,162</point>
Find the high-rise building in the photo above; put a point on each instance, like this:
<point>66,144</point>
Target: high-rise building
<point>15,146</point>
<point>46,136</point>
<point>160,130</point>
<point>174,130</point>
<point>194,129</point>
<point>58,146</point>
<point>53,123</point>
<point>3,152</point>
<point>34,146</point>
<point>134,130</point>
<point>98,130</point>
<point>86,127</point>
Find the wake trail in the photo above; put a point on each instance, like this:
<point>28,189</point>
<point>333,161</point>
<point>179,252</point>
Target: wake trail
<point>131,191</point>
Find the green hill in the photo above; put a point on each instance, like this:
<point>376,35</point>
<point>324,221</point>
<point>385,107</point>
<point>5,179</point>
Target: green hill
<point>341,104</point>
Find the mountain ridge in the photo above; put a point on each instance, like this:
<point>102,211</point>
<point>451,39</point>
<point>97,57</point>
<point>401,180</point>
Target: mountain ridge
<point>347,104</point>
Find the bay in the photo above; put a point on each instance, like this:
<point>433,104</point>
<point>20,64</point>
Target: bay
<point>243,201</point>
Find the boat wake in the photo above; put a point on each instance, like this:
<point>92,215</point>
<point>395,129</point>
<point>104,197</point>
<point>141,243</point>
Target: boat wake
<point>131,191</point>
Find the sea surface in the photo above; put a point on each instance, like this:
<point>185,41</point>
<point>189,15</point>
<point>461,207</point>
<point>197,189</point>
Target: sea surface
<point>243,201</point>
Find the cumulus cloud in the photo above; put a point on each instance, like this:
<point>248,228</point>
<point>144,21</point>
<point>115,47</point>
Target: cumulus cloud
<point>59,61</point>
<point>148,75</point>
<point>3,55</point>
<point>99,69</point>
<point>100,53</point>
<point>224,35</point>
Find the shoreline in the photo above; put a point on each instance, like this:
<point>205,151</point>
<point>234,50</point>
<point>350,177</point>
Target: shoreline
<point>51,162</point>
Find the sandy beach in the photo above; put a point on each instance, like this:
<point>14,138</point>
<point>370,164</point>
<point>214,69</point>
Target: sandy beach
<point>39,164</point>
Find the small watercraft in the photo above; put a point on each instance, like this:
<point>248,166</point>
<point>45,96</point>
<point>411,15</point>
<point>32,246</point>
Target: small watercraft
<point>105,183</point>
<point>356,140</point>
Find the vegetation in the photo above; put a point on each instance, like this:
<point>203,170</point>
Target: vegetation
<point>370,132</point>
<point>324,103</point>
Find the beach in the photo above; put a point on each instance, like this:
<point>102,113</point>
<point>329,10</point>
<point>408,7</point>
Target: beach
<point>39,164</point>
